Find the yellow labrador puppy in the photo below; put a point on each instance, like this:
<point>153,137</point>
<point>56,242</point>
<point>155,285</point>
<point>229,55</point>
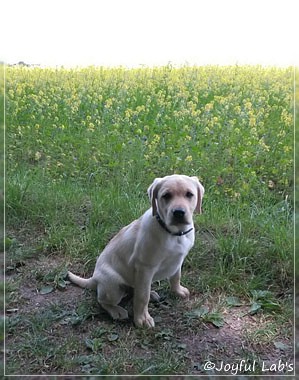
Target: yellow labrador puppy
<point>151,248</point>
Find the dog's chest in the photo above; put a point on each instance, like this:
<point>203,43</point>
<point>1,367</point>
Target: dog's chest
<point>172,257</point>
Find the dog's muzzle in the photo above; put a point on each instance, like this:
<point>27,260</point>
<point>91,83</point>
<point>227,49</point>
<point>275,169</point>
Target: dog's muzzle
<point>179,215</point>
<point>163,225</point>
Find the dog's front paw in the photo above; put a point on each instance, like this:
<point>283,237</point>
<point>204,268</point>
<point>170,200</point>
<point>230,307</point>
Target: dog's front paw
<point>182,292</point>
<point>144,320</point>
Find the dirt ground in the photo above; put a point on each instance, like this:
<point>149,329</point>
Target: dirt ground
<point>243,344</point>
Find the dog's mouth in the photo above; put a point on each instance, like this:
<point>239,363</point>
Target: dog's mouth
<point>182,223</point>
<point>175,227</point>
<point>179,217</point>
<point>179,220</point>
<point>180,228</point>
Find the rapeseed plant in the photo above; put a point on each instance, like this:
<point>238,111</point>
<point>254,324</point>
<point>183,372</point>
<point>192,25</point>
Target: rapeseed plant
<point>232,126</point>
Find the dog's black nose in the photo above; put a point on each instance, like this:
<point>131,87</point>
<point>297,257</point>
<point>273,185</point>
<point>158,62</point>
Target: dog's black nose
<point>178,213</point>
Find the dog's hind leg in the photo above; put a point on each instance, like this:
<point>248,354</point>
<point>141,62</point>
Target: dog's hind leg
<point>116,312</point>
<point>109,300</point>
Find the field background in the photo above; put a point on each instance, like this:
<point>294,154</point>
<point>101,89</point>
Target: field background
<point>82,146</point>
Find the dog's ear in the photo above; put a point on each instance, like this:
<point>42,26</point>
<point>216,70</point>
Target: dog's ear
<point>200,194</point>
<point>153,192</point>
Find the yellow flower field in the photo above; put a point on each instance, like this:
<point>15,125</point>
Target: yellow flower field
<point>230,122</point>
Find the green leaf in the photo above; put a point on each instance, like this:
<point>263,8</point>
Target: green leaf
<point>46,290</point>
<point>181,346</point>
<point>217,322</point>
<point>61,285</point>
<point>164,334</point>
<point>215,318</point>
<point>203,312</point>
<point>259,295</point>
<point>94,344</point>
<point>255,307</point>
<point>233,301</point>
<point>271,306</point>
<point>199,313</point>
<point>8,242</point>
<point>112,337</point>
<point>281,346</point>
<point>89,343</point>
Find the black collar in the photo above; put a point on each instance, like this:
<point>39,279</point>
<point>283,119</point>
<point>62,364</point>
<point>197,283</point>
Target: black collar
<point>163,225</point>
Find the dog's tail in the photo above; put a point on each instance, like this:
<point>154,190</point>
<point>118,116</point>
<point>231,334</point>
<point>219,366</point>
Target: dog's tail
<point>88,283</point>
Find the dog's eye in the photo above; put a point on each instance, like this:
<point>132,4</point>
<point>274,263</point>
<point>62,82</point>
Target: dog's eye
<point>166,196</point>
<point>189,194</point>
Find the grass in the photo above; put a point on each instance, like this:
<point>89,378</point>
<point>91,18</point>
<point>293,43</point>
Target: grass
<point>82,146</point>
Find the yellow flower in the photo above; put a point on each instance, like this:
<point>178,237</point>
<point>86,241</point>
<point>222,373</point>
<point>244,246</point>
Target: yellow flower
<point>108,103</point>
<point>286,149</point>
<point>252,121</point>
<point>91,127</point>
<point>37,156</point>
<point>263,145</point>
<point>209,106</point>
<point>248,105</point>
<point>128,113</point>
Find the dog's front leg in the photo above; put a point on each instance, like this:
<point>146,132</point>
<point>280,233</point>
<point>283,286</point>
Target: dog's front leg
<point>176,286</point>
<point>142,290</point>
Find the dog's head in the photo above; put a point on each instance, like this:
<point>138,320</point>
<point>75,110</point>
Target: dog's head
<point>175,198</point>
